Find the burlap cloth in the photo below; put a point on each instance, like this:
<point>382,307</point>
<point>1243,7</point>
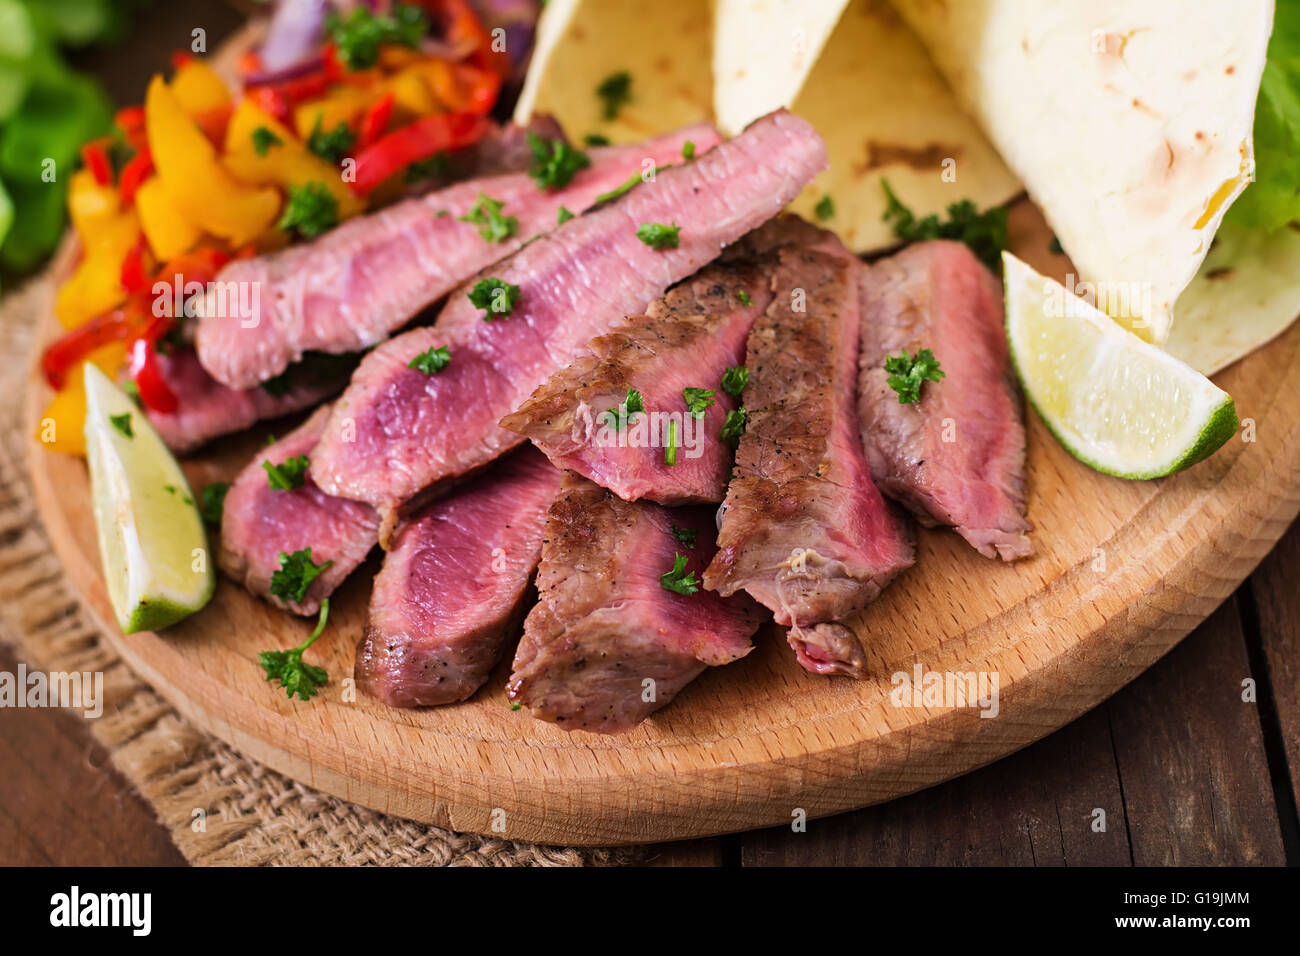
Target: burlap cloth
<point>254,815</point>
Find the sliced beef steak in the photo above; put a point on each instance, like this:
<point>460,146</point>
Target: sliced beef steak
<point>397,431</point>
<point>607,644</point>
<point>451,590</point>
<point>259,523</point>
<point>206,409</point>
<point>803,529</point>
<point>957,457</point>
<point>353,286</point>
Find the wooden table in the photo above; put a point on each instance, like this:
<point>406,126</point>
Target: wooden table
<point>1184,769</point>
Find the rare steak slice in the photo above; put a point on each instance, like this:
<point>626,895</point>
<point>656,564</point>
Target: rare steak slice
<point>206,409</point>
<point>803,529</point>
<point>957,457</point>
<point>451,590</point>
<point>397,431</point>
<point>259,523</point>
<point>607,643</point>
<point>353,286</point>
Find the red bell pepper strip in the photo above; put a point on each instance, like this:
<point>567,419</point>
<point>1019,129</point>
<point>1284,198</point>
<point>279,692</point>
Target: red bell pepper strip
<point>130,120</point>
<point>182,57</point>
<point>95,157</point>
<point>375,120</point>
<point>135,278</point>
<point>72,347</point>
<point>134,173</point>
<point>335,69</point>
<point>146,371</point>
<point>271,101</point>
<point>461,25</point>
<point>417,141</point>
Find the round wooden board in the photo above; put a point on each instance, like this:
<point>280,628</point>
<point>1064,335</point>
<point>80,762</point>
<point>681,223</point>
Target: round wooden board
<point>1123,571</point>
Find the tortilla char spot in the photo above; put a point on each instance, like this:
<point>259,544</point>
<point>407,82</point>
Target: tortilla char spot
<point>1024,43</point>
<point>1139,105</point>
<point>1230,69</point>
<point>1200,136</point>
<point>927,157</point>
<point>664,64</point>
<point>1223,272</point>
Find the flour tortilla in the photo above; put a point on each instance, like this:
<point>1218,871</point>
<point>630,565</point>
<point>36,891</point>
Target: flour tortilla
<point>856,72</point>
<point>1129,122</point>
<point>664,45</point>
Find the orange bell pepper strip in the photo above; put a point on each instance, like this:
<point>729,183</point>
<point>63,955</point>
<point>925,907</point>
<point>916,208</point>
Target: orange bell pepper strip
<point>168,232</point>
<point>195,181</point>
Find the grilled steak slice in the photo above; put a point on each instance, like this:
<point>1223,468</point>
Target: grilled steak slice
<point>259,523</point>
<point>605,626</point>
<point>397,431</point>
<point>207,409</point>
<point>958,457</point>
<point>353,286</point>
<point>451,590</point>
<point>803,529</point>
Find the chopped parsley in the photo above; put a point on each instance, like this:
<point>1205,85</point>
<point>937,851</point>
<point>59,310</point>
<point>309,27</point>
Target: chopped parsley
<point>359,36</point>
<point>658,236</point>
<point>698,400</point>
<point>495,297</point>
<point>908,373</point>
<point>734,426</point>
<point>734,380</point>
<point>122,423</point>
<point>985,232</point>
<point>627,185</point>
<point>212,500</point>
<point>677,580</point>
<point>555,162</point>
<point>615,92</point>
<point>631,406</point>
<point>331,146</point>
<point>688,150</point>
<point>595,139</point>
<point>824,209</point>
<point>744,298</point>
<point>287,667</point>
<point>1055,246</point>
<point>311,210</point>
<point>264,139</point>
<point>562,216</point>
<point>431,360</point>
<point>686,536</point>
<point>287,475</point>
<point>435,165</point>
<point>492,225</point>
<point>670,450</point>
<point>294,576</point>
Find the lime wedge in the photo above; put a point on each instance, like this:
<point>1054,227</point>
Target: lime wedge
<point>1116,403</point>
<point>152,545</point>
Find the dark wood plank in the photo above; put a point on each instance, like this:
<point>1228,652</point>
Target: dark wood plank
<point>60,801</point>
<point>1191,756</point>
<point>1275,587</point>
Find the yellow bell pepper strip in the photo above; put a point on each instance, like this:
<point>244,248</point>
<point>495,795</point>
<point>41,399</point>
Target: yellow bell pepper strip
<point>283,160</point>
<point>206,195</point>
<point>96,285</point>
<point>90,205</point>
<point>198,89</point>
<point>61,427</point>
<point>342,104</point>
<point>411,93</point>
<point>169,233</point>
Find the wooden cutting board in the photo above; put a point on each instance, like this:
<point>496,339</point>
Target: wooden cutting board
<point>1123,571</point>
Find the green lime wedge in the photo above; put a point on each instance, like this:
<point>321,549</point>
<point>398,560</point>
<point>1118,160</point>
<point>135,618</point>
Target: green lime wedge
<point>1117,403</point>
<point>152,544</point>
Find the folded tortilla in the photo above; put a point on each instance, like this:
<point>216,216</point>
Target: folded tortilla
<point>1129,122</point>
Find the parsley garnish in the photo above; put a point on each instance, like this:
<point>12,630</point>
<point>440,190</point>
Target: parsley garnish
<point>698,400</point>
<point>670,451</point>
<point>744,298</point>
<point>212,500</point>
<point>122,423</point>
<point>492,226</point>
<point>287,475</point>
<point>907,374</point>
<point>688,150</point>
<point>615,91</point>
<point>595,139</point>
<point>431,360</point>
<point>287,666</point>
<point>734,380</point>
<point>330,146</point>
<point>359,37</point>
<point>312,210</point>
<point>555,162</point>
<point>495,297</point>
<point>658,236</point>
<point>734,426</point>
<point>294,576</point>
<point>985,233</point>
<point>826,207</point>
<point>435,165</point>
<point>630,405</point>
<point>686,536</point>
<point>264,139</point>
<point>627,185</point>
<point>677,579</point>
<point>562,216</point>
